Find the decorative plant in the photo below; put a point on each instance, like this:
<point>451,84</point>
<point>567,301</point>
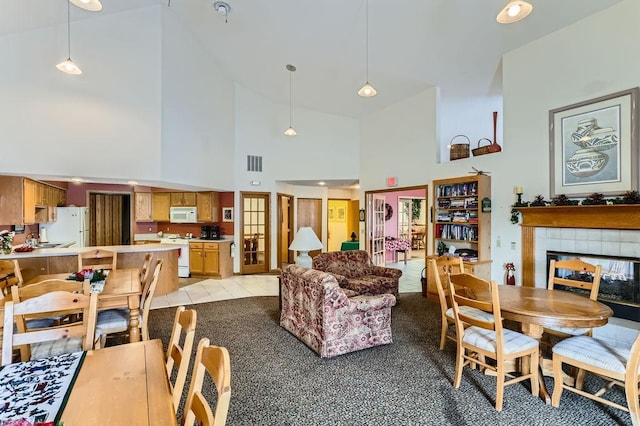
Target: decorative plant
<point>415,209</point>
<point>90,274</point>
<point>631,197</point>
<point>563,200</point>
<point>538,201</point>
<point>515,214</point>
<point>442,248</point>
<point>6,238</point>
<point>594,199</point>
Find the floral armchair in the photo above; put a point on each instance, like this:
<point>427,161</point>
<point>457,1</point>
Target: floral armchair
<point>355,271</point>
<point>319,313</point>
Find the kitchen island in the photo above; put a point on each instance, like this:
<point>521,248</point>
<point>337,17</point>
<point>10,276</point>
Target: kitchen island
<point>59,260</point>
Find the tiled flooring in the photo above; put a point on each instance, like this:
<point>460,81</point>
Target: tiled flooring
<point>238,286</point>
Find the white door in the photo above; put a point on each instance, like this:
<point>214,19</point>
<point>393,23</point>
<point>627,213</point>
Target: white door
<point>375,225</point>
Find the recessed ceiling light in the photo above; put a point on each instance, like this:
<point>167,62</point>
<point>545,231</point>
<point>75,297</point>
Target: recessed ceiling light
<point>321,183</point>
<point>77,179</point>
<point>90,5</point>
<point>132,182</point>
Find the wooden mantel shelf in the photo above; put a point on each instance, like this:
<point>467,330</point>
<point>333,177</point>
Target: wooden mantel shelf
<point>617,216</point>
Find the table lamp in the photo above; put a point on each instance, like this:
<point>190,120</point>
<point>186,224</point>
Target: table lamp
<point>305,241</point>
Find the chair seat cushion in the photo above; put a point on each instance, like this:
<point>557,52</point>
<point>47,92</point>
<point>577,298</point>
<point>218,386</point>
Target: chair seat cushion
<point>112,320</point>
<point>472,312</point>
<point>372,285</point>
<point>486,339</point>
<point>571,331</point>
<point>55,347</point>
<point>594,352</point>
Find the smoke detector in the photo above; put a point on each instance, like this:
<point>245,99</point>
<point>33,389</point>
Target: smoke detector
<point>222,8</point>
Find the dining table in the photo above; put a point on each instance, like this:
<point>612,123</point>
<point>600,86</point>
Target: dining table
<point>537,308</point>
<point>122,289</point>
<point>124,384</point>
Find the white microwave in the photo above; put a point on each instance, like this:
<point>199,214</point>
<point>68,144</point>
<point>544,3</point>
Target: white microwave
<point>183,215</point>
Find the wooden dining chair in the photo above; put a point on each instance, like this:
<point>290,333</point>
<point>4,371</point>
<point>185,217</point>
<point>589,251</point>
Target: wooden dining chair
<point>10,275</point>
<point>145,271</point>
<point>97,259</point>
<point>587,279</point>
<point>112,321</point>
<point>488,339</point>
<point>215,361</point>
<point>617,364</point>
<point>66,338</point>
<point>180,356</point>
<point>439,268</point>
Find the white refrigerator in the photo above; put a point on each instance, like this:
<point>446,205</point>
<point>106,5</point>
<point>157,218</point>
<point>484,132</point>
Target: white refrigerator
<point>71,225</point>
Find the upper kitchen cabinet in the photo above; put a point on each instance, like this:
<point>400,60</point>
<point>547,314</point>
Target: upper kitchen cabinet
<point>208,204</point>
<point>143,212</point>
<point>25,201</point>
<point>160,204</point>
<point>179,199</point>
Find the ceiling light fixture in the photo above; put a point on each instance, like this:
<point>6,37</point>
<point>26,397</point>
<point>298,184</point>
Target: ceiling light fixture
<point>290,131</point>
<point>68,66</point>
<point>514,11</point>
<point>223,9</point>
<point>90,5</point>
<point>367,91</point>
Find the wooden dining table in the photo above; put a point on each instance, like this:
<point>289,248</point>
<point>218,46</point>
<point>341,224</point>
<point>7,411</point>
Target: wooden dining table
<point>536,308</point>
<point>122,289</point>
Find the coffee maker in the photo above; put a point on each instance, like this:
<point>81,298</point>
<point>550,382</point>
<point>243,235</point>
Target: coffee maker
<point>210,232</point>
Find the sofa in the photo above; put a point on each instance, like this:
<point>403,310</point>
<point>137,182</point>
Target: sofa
<point>319,313</point>
<point>355,271</point>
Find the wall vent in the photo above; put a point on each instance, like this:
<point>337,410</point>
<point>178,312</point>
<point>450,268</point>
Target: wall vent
<point>254,163</point>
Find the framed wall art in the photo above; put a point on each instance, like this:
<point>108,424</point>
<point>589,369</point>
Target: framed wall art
<point>593,146</point>
<point>227,214</point>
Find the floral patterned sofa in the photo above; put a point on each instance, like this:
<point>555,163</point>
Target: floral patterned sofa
<point>319,313</point>
<point>354,271</point>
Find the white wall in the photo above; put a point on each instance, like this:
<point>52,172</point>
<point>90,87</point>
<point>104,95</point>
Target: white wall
<point>198,112</point>
<point>104,123</point>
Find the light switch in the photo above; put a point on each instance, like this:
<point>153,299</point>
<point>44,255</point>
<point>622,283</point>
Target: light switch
<point>513,245</point>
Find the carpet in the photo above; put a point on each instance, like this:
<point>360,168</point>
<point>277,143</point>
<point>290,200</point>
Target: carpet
<point>277,380</point>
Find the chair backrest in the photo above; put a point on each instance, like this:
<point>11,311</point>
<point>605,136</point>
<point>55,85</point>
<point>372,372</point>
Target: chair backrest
<point>54,302</point>
<point>10,275</point>
<point>145,271</point>
<point>180,356</point>
<point>439,268</point>
<point>97,259</point>
<point>214,360</point>
<point>581,269</point>
<point>147,296</point>
<point>469,290</point>
<point>350,263</point>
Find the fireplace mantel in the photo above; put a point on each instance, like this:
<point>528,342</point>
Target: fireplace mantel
<point>618,216</point>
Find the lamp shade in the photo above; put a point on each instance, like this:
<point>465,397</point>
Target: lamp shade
<point>305,240</point>
<point>90,5</point>
<point>514,11</point>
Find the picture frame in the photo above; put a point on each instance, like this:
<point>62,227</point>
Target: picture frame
<point>361,215</point>
<point>593,146</point>
<point>227,214</point>
<point>341,215</point>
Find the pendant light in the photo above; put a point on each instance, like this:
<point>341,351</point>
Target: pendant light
<point>290,131</point>
<point>367,90</point>
<point>68,66</point>
<point>514,11</point>
<point>90,5</point>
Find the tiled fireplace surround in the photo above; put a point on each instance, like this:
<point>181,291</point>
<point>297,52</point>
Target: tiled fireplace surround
<point>544,231</point>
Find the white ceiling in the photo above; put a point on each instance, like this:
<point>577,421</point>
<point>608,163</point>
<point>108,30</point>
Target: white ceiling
<point>413,44</point>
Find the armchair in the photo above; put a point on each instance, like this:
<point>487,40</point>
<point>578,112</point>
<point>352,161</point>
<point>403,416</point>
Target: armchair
<point>319,313</point>
<point>354,271</point>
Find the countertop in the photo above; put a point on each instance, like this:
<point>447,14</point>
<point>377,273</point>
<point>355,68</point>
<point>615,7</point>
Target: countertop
<point>72,251</point>
<point>154,237</point>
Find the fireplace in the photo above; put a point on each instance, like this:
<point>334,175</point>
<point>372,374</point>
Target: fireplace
<point>619,282</point>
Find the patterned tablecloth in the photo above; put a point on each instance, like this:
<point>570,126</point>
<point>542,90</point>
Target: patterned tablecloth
<point>35,392</point>
<point>399,244</point>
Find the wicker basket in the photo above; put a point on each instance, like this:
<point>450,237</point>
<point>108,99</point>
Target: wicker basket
<point>459,149</point>
<point>486,149</point>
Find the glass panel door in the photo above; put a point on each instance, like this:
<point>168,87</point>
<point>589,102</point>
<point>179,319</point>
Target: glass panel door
<point>255,233</point>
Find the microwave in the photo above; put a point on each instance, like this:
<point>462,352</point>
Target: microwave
<point>183,215</point>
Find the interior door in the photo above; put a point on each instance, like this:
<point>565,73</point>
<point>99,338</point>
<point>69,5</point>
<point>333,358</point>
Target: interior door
<point>309,212</point>
<point>285,229</point>
<point>110,219</point>
<point>254,246</point>
<point>375,227</point>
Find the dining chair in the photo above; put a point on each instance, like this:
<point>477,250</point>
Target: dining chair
<point>617,364</point>
<point>215,361</point>
<point>440,267</point>
<point>97,259</point>
<point>112,321</point>
<point>145,271</point>
<point>587,279</point>
<point>49,341</point>
<point>10,275</point>
<point>180,356</point>
<point>488,339</point>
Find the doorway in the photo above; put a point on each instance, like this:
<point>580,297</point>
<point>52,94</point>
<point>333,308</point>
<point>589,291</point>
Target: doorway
<point>254,231</point>
<point>109,219</point>
<point>285,229</point>
<point>338,224</point>
<point>309,213</point>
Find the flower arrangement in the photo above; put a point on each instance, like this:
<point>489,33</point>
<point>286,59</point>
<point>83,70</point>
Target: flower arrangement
<point>6,238</point>
<point>509,276</point>
<point>90,274</point>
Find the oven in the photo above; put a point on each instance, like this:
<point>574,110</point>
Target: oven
<point>183,254</point>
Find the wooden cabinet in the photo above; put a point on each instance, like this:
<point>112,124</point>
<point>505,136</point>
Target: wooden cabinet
<point>179,199</point>
<point>211,259</point>
<point>160,204</point>
<point>143,209</point>
<point>208,204</point>
<point>29,201</point>
<point>26,201</point>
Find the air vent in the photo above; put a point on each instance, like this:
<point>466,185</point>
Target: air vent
<point>254,163</point>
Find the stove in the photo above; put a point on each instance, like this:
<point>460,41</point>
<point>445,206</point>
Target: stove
<point>183,254</point>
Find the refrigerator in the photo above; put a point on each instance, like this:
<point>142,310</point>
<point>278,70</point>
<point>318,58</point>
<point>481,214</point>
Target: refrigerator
<point>71,225</point>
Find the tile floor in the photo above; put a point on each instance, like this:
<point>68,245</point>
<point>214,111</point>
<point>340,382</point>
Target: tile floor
<point>238,286</point>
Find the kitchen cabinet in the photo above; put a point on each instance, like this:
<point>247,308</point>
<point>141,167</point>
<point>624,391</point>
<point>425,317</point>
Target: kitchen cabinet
<point>143,210</point>
<point>211,259</point>
<point>208,204</point>
<point>29,201</point>
<point>160,204</point>
<point>26,201</point>
<point>179,199</point>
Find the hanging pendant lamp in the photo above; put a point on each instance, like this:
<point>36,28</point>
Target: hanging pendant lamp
<point>367,91</point>
<point>290,131</point>
<point>68,66</point>
<point>90,5</point>
<point>514,11</point>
